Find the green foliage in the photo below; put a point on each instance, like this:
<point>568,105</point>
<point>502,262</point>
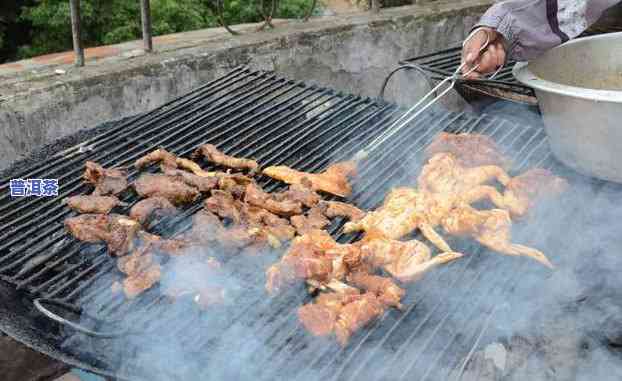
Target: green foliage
<point>114,21</point>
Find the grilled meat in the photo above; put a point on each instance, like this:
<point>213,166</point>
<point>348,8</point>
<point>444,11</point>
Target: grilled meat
<point>177,192</point>
<point>92,204</point>
<point>388,293</point>
<point>269,222</point>
<point>256,196</point>
<point>224,205</point>
<point>212,154</point>
<point>525,190</point>
<point>305,259</point>
<point>138,283</point>
<point>116,230</point>
<point>233,183</point>
<point>333,180</point>
<point>341,209</point>
<point>314,219</point>
<point>160,155</point>
<point>302,193</point>
<point>320,317</point>
<point>153,207</point>
<point>395,218</point>
<point>471,150</point>
<point>203,184</point>
<point>357,314</point>
<point>206,228</point>
<point>491,228</point>
<point>407,261</point>
<point>106,181</point>
<point>168,161</point>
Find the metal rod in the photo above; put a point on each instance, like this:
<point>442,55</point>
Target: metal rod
<point>74,6</point>
<point>145,16</point>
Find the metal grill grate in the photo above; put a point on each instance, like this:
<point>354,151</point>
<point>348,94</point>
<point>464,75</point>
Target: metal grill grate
<point>277,121</point>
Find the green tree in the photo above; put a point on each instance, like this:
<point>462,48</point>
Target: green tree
<point>113,21</point>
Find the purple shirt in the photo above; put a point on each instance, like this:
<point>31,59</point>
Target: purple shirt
<point>531,27</point>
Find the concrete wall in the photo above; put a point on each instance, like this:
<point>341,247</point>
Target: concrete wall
<point>352,53</point>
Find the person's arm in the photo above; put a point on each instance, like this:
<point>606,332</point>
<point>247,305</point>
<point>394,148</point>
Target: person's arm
<point>524,29</point>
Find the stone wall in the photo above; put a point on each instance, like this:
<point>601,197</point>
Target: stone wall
<point>352,53</point>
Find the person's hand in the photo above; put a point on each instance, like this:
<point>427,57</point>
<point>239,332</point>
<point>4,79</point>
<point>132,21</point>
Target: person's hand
<point>490,60</point>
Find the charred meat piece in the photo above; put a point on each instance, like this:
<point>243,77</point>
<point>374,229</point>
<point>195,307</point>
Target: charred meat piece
<point>333,180</point>
<point>116,230</point>
<point>320,317</point>
<point>525,190</point>
<point>492,228</point>
<point>257,197</point>
<point>136,284</point>
<point>472,150</point>
<point>212,154</point>
<point>314,256</point>
<point>302,193</point>
<point>177,192</point>
<point>389,294</point>
<point>224,205</point>
<point>152,207</point>
<point>341,209</point>
<point>356,315</point>
<point>206,227</point>
<point>92,204</point>
<point>106,181</point>
<point>160,155</point>
<point>203,184</point>
<point>314,219</point>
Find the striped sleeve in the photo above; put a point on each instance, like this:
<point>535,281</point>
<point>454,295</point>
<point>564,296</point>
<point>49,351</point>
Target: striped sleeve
<point>531,27</point>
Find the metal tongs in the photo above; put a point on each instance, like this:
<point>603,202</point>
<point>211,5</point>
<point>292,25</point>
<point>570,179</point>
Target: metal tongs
<point>421,106</point>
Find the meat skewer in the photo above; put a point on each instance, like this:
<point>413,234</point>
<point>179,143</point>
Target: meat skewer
<point>106,181</point>
<point>212,154</point>
<point>333,180</point>
<point>92,204</point>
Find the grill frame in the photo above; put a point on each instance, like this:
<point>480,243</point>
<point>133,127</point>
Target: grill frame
<point>371,116</point>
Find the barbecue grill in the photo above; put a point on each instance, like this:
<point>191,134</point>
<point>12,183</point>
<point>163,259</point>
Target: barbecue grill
<point>255,114</point>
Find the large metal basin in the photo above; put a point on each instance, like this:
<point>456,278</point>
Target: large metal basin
<point>579,91</point>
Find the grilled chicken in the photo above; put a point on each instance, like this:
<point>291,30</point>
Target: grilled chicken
<point>395,218</point>
<point>314,219</point>
<point>177,192</point>
<point>341,209</point>
<point>491,228</point>
<point>406,261</point>
<point>254,195</point>
<point>116,230</point>
<point>203,184</point>
<point>153,207</point>
<point>333,180</point>
<point>525,190</point>
<point>471,150</point>
<point>106,181</point>
<point>389,294</point>
<point>302,193</point>
<point>92,204</point>
<point>212,154</point>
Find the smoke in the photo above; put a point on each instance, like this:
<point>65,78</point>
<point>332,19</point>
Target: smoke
<point>485,317</point>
